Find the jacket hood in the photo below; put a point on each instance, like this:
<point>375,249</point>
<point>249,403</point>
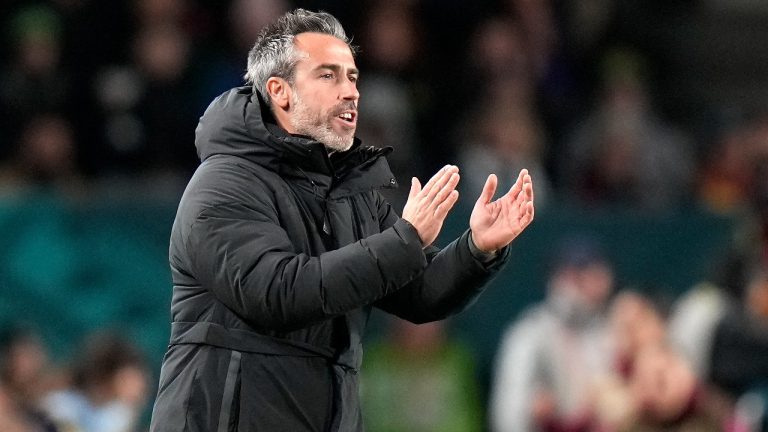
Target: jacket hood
<point>239,123</point>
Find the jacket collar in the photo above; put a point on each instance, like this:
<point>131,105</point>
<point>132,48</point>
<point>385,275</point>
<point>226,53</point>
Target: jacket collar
<point>239,123</point>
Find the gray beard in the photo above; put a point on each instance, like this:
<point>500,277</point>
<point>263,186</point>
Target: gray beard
<point>312,124</point>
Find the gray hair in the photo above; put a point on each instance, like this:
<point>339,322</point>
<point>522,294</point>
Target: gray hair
<point>274,54</point>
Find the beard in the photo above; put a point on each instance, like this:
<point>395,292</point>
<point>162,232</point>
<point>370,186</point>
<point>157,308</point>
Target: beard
<point>317,124</point>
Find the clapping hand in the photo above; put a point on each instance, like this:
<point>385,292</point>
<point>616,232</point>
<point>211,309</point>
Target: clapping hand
<point>495,224</point>
<point>427,207</point>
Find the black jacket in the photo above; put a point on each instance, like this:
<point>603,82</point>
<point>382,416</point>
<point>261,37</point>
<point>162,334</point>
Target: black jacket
<point>278,252</point>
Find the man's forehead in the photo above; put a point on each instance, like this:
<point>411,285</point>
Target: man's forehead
<point>317,45</point>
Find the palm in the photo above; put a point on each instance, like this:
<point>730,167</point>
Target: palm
<point>496,223</point>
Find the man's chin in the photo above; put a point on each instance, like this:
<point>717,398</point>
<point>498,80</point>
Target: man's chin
<point>339,143</point>
<point>339,146</point>
<point>332,140</point>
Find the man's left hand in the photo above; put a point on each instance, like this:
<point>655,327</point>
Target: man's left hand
<point>495,224</point>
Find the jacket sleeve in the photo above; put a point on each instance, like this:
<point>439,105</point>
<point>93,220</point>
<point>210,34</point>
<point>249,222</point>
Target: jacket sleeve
<point>247,261</point>
<point>452,280</point>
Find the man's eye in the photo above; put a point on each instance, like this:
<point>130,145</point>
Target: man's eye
<point>326,76</point>
<point>354,79</point>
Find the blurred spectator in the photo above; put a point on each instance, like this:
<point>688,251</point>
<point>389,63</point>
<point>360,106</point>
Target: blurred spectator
<point>419,380</point>
<point>550,65</point>
<point>149,119</point>
<point>540,33</point>
<point>390,105</point>
<point>692,324</point>
<point>668,396</point>
<point>44,159</point>
<point>110,388</point>
<point>740,348</point>
<point>622,153</point>
<point>218,63</point>
<point>498,61</point>
<point>653,387</point>
<point>752,237</point>
<point>587,23</point>
<point>23,381</point>
<point>152,13</point>
<point>635,325</point>
<point>32,81</point>
<point>725,174</point>
<point>503,139</point>
<point>249,17</point>
<point>661,383</point>
<point>551,358</point>
<point>500,130</point>
<point>13,418</point>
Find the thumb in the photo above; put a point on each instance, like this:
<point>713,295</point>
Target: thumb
<point>415,187</point>
<point>488,190</point>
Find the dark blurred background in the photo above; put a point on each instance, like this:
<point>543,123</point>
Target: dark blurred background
<point>643,122</point>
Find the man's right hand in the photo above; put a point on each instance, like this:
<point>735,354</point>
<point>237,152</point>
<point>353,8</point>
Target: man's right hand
<point>427,207</point>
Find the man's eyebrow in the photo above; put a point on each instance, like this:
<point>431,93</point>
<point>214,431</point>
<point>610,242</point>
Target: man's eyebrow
<point>336,68</point>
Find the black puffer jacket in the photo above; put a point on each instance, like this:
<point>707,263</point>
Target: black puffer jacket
<point>278,252</point>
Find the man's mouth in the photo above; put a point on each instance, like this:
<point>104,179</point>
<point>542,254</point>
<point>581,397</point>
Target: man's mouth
<point>348,117</point>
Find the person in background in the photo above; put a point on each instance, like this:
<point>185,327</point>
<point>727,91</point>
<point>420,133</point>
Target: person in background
<point>504,138</point>
<point>652,387</point>
<point>635,324</point>
<point>110,382</point>
<point>623,153</point>
<point>24,380</point>
<point>666,395</point>
<point>394,93</point>
<point>33,80</point>
<point>551,357</point>
<point>44,160</point>
<point>739,362</point>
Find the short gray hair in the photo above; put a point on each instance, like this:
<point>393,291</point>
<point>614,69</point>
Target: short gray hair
<point>274,54</point>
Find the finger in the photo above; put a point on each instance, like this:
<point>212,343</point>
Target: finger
<point>444,192</point>
<point>440,183</point>
<point>527,215</point>
<point>531,212</point>
<point>529,188</point>
<point>444,207</point>
<point>518,186</point>
<point>431,182</point>
<point>526,194</point>
<point>415,188</point>
<point>520,202</point>
<point>488,189</point>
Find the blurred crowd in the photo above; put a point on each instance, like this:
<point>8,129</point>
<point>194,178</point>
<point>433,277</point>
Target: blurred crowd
<point>109,93</point>
<point>105,95</point>
<point>592,356</point>
<point>103,388</point>
<point>596,356</point>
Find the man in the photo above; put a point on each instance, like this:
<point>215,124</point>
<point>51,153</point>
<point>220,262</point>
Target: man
<point>282,245</point>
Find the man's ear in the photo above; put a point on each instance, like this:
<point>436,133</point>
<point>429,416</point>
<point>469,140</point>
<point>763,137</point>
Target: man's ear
<point>279,91</point>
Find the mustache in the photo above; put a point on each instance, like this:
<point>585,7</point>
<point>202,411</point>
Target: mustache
<point>344,106</point>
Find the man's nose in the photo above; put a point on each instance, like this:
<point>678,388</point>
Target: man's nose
<point>349,91</point>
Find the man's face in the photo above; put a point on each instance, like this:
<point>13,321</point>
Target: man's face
<point>324,99</point>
